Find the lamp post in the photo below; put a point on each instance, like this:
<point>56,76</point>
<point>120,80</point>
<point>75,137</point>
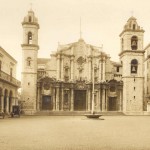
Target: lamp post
<point>93,88</point>
<point>93,114</point>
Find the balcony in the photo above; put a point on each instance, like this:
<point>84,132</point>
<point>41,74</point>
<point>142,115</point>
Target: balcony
<point>9,79</point>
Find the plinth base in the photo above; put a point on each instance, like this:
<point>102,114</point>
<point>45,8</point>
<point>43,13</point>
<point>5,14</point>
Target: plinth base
<point>94,116</point>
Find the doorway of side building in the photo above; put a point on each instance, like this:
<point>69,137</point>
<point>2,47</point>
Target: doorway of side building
<point>79,100</point>
<point>112,104</point>
<point>47,103</point>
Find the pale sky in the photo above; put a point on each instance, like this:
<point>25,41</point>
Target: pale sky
<point>59,20</point>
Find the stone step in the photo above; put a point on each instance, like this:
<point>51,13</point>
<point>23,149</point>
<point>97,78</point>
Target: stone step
<point>75,113</point>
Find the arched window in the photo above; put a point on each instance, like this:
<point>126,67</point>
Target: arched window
<point>29,61</point>
<point>134,26</point>
<point>29,38</point>
<point>112,88</point>
<point>134,43</point>
<point>134,66</point>
<point>30,19</point>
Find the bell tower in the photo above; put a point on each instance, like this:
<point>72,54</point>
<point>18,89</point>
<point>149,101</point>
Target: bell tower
<point>29,62</point>
<point>132,57</point>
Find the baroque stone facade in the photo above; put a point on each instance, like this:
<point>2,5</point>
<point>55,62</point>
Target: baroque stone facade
<point>64,82</point>
<point>8,82</point>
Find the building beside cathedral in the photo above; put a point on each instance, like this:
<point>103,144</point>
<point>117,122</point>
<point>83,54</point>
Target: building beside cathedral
<point>64,82</point>
<point>9,85</point>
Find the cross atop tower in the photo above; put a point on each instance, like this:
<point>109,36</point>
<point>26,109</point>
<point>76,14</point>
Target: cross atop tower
<point>132,13</point>
<point>30,6</point>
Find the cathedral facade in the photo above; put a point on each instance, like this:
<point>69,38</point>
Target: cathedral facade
<point>78,73</point>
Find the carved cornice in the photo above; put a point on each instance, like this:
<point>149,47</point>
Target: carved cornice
<point>29,45</point>
<point>132,51</point>
<point>31,23</point>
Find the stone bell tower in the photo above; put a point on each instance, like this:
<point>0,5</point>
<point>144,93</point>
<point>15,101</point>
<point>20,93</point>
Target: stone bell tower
<point>132,57</point>
<point>29,62</point>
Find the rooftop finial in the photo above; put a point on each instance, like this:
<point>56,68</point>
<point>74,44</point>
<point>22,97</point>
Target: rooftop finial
<point>132,13</point>
<point>80,29</point>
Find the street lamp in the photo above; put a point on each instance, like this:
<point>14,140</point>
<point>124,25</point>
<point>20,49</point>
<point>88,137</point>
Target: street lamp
<point>93,114</point>
<point>93,89</point>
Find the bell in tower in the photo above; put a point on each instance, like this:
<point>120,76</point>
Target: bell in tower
<point>134,41</point>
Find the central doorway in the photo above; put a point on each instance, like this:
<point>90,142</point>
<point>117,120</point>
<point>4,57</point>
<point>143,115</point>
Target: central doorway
<point>112,104</point>
<point>47,103</point>
<point>80,100</point>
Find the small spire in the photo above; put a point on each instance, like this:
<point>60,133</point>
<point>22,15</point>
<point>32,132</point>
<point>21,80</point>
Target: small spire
<point>132,13</point>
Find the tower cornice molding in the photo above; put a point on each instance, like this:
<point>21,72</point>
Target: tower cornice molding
<point>30,45</point>
<point>131,30</point>
<point>132,51</point>
<point>31,23</point>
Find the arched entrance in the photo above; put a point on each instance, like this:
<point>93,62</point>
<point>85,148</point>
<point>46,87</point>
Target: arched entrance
<point>47,103</point>
<point>112,104</point>
<point>80,100</point>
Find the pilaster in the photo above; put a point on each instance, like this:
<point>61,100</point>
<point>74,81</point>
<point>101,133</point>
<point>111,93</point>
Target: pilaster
<point>58,67</point>
<point>57,98</point>
<point>62,68</point>
<point>54,98</point>
<point>2,103</point>
<point>72,99</point>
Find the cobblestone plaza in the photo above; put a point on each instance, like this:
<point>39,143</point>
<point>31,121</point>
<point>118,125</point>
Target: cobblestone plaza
<point>75,133</point>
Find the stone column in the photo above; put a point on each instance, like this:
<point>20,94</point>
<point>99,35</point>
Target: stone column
<point>2,103</point>
<point>89,69</point>
<point>7,104</point>
<point>54,104</point>
<point>100,71</point>
<point>89,100</point>
<point>98,100</point>
<point>57,99</point>
<point>103,99</point>
<point>106,100</point>
<point>38,98</point>
<point>12,100</point>
<point>72,67</point>
<point>72,99</point>
<point>104,69</point>
<point>120,98</point>
<point>62,68</point>
<point>58,67</point>
<point>62,99</point>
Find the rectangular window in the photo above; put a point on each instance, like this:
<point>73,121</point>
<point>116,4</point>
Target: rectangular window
<point>117,69</point>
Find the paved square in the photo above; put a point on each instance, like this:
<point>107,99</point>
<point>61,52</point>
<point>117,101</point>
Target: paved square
<point>75,133</point>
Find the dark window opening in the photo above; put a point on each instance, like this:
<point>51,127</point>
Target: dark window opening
<point>112,88</point>
<point>134,43</point>
<point>29,38</point>
<point>134,66</point>
<point>134,26</point>
<point>30,19</point>
<point>117,69</point>
<point>28,61</point>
